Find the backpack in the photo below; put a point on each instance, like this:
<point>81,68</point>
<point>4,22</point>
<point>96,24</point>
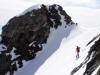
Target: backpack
<point>78,49</point>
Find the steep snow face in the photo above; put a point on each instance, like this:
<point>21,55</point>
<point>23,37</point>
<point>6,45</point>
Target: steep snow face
<point>89,24</point>
<point>63,61</point>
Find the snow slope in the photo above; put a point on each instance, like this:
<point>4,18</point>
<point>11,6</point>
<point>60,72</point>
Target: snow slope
<point>64,59</point>
<point>59,58</point>
<point>53,44</point>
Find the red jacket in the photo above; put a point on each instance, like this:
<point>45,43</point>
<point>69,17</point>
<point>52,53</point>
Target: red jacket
<point>78,49</point>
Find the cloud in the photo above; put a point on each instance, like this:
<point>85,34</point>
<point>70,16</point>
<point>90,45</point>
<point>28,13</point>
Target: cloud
<point>10,8</point>
<point>83,3</point>
<point>14,4</point>
<point>80,3</point>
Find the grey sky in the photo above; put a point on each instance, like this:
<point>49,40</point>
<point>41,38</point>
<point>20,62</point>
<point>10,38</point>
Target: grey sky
<point>82,3</point>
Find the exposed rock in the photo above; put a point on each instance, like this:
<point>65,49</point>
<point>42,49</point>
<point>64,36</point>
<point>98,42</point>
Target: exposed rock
<point>81,65</point>
<point>95,61</point>
<point>24,35</point>
<point>93,39</point>
<point>98,73</point>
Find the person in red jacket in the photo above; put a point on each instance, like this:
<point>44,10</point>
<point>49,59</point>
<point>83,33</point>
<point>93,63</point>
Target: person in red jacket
<point>78,50</point>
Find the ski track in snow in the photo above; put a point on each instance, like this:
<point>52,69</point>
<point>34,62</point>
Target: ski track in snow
<point>60,57</point>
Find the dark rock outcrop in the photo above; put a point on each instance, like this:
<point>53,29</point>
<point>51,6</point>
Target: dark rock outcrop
<point>95,61</point>
<point>24,35</point>
<point>93,39</point>
<point>98,72</point>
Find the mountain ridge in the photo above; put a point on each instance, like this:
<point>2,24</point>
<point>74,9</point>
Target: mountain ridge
<point>23,36</point>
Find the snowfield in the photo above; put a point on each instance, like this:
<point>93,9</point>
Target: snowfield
<point>59,54</point>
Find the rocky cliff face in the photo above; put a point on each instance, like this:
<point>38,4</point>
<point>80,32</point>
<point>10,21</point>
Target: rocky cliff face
<point>23,36</point>
<point>95,61</point>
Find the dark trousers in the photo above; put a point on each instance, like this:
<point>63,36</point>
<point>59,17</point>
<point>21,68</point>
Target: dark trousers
<point>77,56</point>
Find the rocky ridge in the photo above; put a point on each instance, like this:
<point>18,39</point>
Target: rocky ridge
<point>22,37</point>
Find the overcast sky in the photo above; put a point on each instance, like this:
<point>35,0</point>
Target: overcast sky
<point>79,3</point>
<point>82,3</point>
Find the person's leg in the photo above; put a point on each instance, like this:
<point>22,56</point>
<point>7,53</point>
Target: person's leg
<point>78,55</point>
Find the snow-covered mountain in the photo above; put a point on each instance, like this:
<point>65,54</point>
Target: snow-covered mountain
<point>39,28</point>
<point>58,56</point>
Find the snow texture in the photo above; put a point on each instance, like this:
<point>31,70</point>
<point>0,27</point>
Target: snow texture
<point>59,56</point>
